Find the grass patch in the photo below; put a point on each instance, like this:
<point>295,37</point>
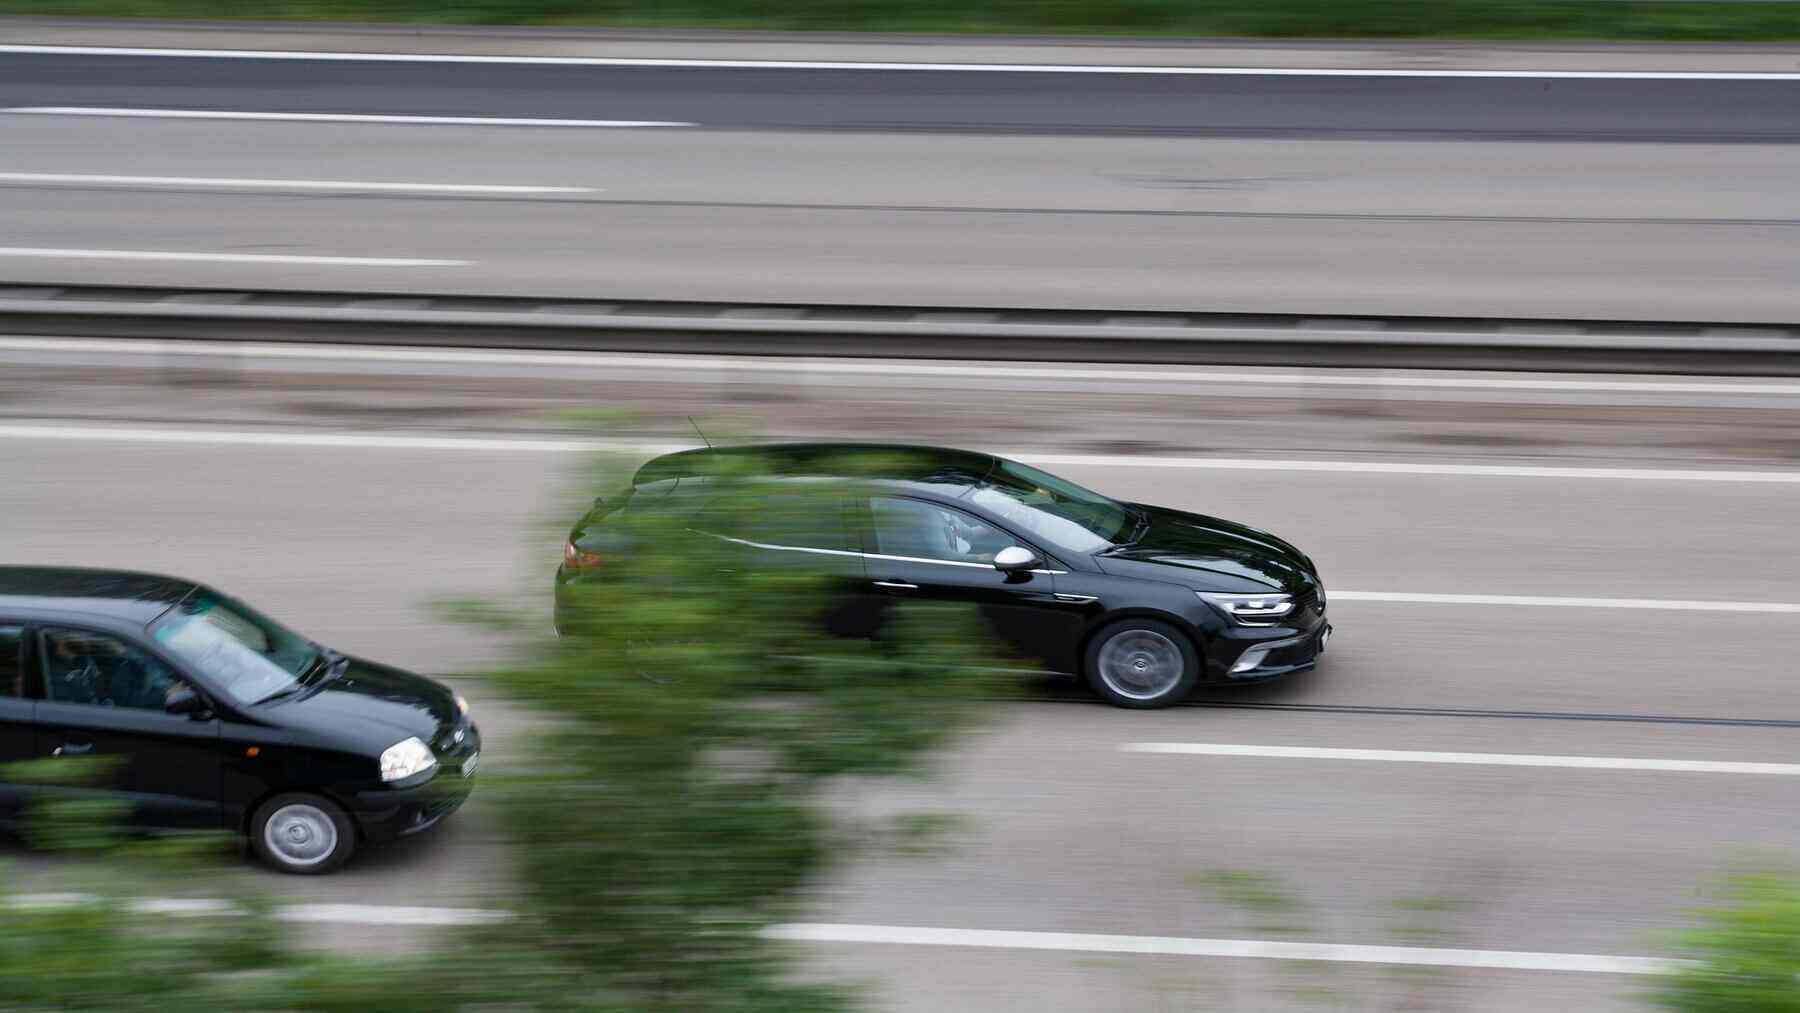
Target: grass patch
<point>1252,891</point>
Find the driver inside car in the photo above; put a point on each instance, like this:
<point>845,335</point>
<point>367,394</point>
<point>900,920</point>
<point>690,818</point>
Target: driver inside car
<point>99,670</point>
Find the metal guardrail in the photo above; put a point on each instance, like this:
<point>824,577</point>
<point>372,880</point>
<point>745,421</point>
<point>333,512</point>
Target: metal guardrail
<point>901,332</point>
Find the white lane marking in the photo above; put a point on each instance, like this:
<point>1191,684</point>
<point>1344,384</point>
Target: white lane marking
<point>282,184</point>
<point>353,914</point>
<point>1477,759</point>
<point>138,434</point>
<point>375,914</point>
<point>225,258</point>
<point>999,371</point>
<point>1664,604</point>
<point>1184,946</point>
<point>211,114</point>
<point>1408,468</point>
<point>912,935</point>
<point>985,68</point>
<point>133,434</point>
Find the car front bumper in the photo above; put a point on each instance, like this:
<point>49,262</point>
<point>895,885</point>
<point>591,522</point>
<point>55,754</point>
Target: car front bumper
<point>389,813</point>
<point>1277,652</point>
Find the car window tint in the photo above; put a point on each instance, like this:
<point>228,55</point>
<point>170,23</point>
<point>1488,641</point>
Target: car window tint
<point>103,671</point>
<point>800,520</point>
<point>12,661</point>
<point>672,498</point>
<point>921,530</point>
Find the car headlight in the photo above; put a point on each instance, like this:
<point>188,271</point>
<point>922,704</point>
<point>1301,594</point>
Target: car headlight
<point>462,706</point>
<point>405,758</point>
<point>1250,609</point>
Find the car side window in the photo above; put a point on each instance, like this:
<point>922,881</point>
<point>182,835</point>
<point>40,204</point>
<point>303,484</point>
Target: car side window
<point>807,519</point>
<point>103,671</point>
<point>921,530</point>
<point>12,661</point>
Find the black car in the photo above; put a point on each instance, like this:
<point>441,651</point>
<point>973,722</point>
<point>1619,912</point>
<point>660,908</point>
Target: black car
<point>1144,602</point>
<point>218,717</point>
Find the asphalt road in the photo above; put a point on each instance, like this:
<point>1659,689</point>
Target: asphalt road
<point>931,100</point>
<point>1066,830</point>
<point>1657,231</point>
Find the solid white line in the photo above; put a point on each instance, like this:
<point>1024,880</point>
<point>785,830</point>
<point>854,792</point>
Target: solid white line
<point>379,914</point>
<point>135,434</point>
<point>909,935</point>
<point>1182,946</point>
<point>354,914</point>
<point>283,184</point>
<point>595,360</point>
<point>225,258</point>
<point>1478,759</point>
<point>1662,604</point>
<point>985,68</point>
<point>209,114</point>
<point>139,434</point>
<point>1408,468</point>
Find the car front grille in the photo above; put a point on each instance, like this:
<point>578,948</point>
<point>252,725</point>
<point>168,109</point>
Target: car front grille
<point>456,741</point>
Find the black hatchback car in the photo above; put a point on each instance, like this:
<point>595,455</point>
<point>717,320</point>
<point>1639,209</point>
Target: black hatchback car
<point>218,717</point>
<point>1143,602</point>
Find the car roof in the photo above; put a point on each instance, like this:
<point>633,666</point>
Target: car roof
<point>936,469</point>
<point>114,594</point>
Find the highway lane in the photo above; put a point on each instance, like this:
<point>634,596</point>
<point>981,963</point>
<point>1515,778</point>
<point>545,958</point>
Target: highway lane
<point>1633,231</point>
<point>928,100</point>
<point>487,511</point>
<point>1067,832</point>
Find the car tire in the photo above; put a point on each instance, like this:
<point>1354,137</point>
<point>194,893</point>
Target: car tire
<point>305,835</point>
<point>1141,663</point>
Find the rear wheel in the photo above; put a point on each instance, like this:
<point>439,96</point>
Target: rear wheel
<point>303,834</point>
<point>1142,663</point>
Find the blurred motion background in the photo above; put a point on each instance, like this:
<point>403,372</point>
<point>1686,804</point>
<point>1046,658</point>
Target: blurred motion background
<point>1490,306</point>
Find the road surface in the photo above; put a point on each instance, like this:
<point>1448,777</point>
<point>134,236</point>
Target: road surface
<point>1671,700</point>
<point>1668,199</point>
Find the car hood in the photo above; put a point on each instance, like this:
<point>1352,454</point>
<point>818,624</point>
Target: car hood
<point>375,704</point>
<point>1209,554</point>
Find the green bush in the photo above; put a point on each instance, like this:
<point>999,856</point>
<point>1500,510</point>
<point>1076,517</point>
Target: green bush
<point>667,811</point>
<point>1745,956</point>
<point>674,810</point>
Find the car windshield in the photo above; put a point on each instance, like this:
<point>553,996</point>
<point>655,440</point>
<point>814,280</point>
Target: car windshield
<point>1060,512</point>
<point>238,650</point>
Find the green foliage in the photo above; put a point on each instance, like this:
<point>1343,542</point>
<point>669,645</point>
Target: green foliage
<point>1686,20</point>
<point>698,712</point>
<point>667,812</point>
<point>1745,954</point>
<point>89,933</point>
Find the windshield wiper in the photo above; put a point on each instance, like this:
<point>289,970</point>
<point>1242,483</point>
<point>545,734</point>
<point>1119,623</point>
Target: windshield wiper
<point>1141,524</point>
<point>325,666</point>
<point>286,691</point>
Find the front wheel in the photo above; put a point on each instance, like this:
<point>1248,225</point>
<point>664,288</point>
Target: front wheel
<point>1142,663</point>
<point>302,834</point>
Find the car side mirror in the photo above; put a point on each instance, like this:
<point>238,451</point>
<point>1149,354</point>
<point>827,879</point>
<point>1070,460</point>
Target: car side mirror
<point>1016,559</point>
<point>183,700</point>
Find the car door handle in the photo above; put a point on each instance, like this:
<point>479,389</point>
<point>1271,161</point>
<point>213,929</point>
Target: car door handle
<point>72,749</point>
<point>896,585</point>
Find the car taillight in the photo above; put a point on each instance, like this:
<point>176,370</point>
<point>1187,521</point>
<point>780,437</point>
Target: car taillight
<point>579,559</point>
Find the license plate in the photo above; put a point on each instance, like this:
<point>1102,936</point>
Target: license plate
<point>470,764</point>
